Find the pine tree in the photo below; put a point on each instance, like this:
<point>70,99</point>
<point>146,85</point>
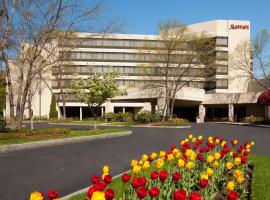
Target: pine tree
<point>53,111</point>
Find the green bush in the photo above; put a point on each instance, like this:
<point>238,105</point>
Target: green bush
<point>175,122</point>
<point>53,111</point>
<point>110,117</point>
<point>146,117</point>
<point>40,118</point>
<point>252,119</point>
<point>3,124</point>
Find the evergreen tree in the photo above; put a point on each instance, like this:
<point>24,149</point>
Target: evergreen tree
<point>53,111</point>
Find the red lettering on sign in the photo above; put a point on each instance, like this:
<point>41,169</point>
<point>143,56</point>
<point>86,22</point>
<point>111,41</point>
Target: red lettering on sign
<point>238,26</point>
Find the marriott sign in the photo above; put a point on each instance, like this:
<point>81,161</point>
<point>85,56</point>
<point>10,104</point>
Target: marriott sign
<point>238,26</point>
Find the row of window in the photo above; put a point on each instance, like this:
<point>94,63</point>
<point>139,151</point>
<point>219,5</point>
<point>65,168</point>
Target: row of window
<point>125,43</point>
<point>130,70</point>
<point>218,84</point>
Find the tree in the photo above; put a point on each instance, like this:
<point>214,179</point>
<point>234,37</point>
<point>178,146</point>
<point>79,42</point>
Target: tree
<point>174,62</point>
<point>28,30</point>
<point>259,51</point>
<point>96,89</point>
<point>53,111</point>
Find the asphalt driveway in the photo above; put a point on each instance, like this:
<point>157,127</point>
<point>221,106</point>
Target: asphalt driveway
<point>68,168</point>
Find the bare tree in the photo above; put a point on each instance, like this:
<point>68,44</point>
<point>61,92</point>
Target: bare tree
<point>252,60</point>
<point>28,30</point>
<point>175,62</point>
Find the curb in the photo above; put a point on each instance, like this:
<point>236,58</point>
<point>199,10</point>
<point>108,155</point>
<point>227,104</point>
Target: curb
<point>49,143</point>
<point>244,124</point>
<point>139,126</point>
<point>84,190</point>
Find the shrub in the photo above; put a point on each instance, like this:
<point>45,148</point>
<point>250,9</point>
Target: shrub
<point>146,117</point>
<point>124,117</point>
<point>45,117</point>
<point>175,122</point>
<point>3,124</point>
<point>53,111</point>
<point>252,119</point>
<point>110,116</point>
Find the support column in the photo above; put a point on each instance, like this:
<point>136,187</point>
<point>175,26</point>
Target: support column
<point>108,106</point>
<point>80,113</point>
<point>124,109</point>
<point>102,111</point>
<point>201,116</point>
<point>160,105</point>
<point>231,112</point>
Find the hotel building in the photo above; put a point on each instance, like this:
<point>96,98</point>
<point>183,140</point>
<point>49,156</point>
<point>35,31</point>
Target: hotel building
<point>210,96</point>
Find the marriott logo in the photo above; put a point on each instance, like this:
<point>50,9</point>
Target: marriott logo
<point>237,26</point>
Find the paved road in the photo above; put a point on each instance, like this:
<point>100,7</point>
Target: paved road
<point>68,167</point>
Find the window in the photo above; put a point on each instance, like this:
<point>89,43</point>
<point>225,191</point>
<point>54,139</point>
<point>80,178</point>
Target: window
<point>222,55</point>
<point>222,41</point>
<point>222,69</point>
<point>222,84</point>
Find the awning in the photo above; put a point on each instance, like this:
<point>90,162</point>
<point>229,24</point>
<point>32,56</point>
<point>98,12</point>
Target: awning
<point>264,98</point>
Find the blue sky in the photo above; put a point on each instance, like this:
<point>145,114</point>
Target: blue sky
<point>142,16</point>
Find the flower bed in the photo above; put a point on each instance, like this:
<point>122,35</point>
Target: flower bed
<point>199,169</point>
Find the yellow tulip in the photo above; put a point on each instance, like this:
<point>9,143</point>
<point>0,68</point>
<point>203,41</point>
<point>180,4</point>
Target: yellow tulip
<point>248,146</point>
<point>210,172</point>
<point>146,165</point>
<point>240,179</point>
<point>162,154</point>
<point>229,165</point>
<point>204,176</point>
<point>186,140</point>
<point>190,136</point>
<point>175,151</point>
<point>230,186</point>
<point>182,142</point>
<point>136,169</point>
<point>170,157</point>
<point>223,143</point>
<point>200,137</point>
<point>210,138</point>
<point>134,162</point>
<point>141,162</point>
<point>178,155</point>
<point>217,155</point>
<point>210,159</point>
<point>181,163</point>
<point>153,155</point>
<point>252,143</point>
<point>144,157</point>
<point>215,164</point>
<point>188,152</point>
<point>217,141</point>
<point>36,196</point>
<point>189,165</point>
<point>192,157</point>
<point>98,196</point>
<point>193,139</point>
<point>231,153</point>
<point>106,169</point>
<point>160,163</point>
<point>237,161</point>
<point>237,173</point>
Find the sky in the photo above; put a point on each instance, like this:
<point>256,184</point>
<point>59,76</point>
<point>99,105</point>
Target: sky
<point>142,16</point>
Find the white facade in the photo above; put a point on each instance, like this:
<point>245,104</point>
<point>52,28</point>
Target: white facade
<point>120,52</point>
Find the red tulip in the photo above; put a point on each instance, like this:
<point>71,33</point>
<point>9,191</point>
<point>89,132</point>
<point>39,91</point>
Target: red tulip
<point>203,183</point>
<point>154,192</point>
<point>52,194</point>
<point>199,156</point>
<point>180,195</point>
<point>141,192</point>
<point>90,192</point>
<point>109,194</point>
<point>163,175</point>
<point>243,159</point>
<point>108,179</point>
<point>195,196</point>
<point>232,195</point>
<point>95,179</point>
<point>176,176</point>
<point>125,177</point>
<point>154,175</point>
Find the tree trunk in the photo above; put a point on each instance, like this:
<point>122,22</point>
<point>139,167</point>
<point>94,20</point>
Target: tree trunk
<point>10,91</point>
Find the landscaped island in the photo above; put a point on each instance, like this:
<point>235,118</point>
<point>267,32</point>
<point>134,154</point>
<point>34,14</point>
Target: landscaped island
<point>200,168</point>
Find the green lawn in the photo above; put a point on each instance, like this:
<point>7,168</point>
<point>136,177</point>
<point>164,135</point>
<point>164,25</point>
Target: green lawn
<point>21,137</point>
<point>260,183</point>
<point>84,122</point>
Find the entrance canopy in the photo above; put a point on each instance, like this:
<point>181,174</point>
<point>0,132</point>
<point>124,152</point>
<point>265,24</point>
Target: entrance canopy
<point>264,98</point>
